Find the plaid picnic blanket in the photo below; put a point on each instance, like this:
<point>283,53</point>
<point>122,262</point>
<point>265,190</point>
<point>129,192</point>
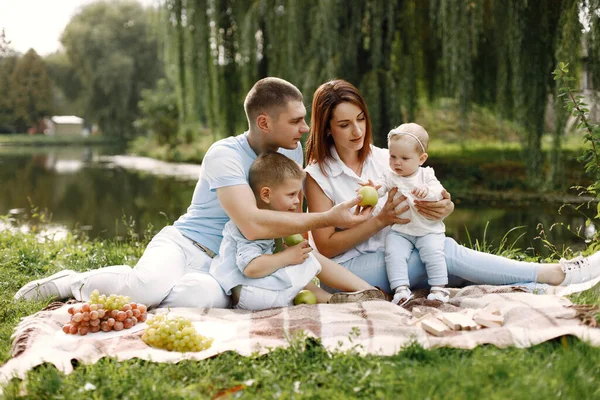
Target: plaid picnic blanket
<point>375,327</point>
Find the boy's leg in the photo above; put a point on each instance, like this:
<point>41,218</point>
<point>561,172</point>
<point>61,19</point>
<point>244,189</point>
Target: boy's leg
<point>431,249</point>
<point>256,299</point>
<point>322,295</point>
<point>336,276</point>
<point>398,249</point>
<point>354,288</point>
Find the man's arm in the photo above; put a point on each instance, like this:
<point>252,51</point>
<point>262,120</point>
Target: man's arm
<point>239,203</point>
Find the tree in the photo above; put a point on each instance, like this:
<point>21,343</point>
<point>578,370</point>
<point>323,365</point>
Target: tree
<point>114,52</point>
<point>67,88</point>
<point>31,91</point>
<point>493,53</point>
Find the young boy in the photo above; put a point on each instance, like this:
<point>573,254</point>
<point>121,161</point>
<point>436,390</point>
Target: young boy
<point>248,269</point>
<point>407,146</point>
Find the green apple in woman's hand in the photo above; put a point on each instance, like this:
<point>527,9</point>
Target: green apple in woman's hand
<point>293,240</point>
<point>369,196</point>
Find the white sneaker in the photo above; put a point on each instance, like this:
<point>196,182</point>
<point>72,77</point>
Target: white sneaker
<point>580,269</point>
<point>439,293</point>
<point>57,286</point>
<point>402,295</point>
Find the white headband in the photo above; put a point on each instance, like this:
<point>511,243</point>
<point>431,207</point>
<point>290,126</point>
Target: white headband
<point>394,132</point>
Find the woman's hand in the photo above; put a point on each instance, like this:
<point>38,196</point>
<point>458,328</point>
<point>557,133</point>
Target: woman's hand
<point>436,210</point>
<point>390,211</point>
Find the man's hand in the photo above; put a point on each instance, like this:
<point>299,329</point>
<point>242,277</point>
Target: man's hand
<point>436,210</point>
<point>340,215</point>
<point>296,254</point>
<point>420,192</point>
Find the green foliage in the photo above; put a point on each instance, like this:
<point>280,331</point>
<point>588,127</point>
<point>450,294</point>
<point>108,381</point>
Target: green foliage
<point>115,55</point>
<point>158,112</point>
<point>491,53</point>
<point>30,91</point>
<point>68,89</point>
<point>7,120</point>
<point>578,109</point>
<point>591,155</point>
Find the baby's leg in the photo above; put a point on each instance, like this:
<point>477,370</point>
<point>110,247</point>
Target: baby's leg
<point>431,250</point>
<point>397,252</point>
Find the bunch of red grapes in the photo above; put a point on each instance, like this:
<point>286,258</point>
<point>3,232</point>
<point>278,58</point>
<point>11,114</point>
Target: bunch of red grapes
<point>103,315</point>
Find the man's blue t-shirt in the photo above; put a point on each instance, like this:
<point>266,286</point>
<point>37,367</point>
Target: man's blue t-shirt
<point>226,163</point>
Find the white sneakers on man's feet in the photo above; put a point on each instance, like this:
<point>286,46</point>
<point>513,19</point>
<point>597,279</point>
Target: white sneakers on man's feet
<point>580,269</point>
<point>57,286</point>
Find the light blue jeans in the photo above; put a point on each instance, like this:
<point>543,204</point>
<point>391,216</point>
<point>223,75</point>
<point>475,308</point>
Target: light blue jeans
<point>464,266</point>
<point>399,248</point>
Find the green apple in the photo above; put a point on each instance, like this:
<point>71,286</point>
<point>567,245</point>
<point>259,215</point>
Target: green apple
<point>293,240</point>
<point>369,196</point>
<point>278,245</point>
<point>305,297</point>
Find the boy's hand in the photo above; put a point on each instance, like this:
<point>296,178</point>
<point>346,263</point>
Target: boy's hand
<point>296,254</point>
<point>420,192</point>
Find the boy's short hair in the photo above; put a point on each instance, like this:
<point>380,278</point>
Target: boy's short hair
<point>272,169</point>
<point>269,95</point>
<point>409,130</point>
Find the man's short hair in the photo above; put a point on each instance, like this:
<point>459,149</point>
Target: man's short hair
<point>269,95</point>
<point>272,169</point>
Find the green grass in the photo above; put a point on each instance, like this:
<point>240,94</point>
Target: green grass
<point>564,368</point>
<point>44,140</point>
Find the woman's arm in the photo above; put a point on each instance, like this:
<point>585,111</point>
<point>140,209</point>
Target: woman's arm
<point>331,242</point>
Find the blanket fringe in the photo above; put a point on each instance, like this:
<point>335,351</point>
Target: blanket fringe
<point>587,313</point>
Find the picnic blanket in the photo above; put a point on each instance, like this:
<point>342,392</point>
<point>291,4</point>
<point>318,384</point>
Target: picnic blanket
<point>375,327</point>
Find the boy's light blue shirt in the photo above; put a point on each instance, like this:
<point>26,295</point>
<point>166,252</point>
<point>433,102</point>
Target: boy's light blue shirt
<point>236,253</point>
<point>226,163</point>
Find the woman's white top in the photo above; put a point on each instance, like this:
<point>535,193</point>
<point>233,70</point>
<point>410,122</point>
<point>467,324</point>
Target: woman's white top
<point>418,225</point>
<point>339,183</point>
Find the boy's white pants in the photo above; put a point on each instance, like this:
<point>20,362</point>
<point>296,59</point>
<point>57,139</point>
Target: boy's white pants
<point>255,298</point>
<point>172,272</point>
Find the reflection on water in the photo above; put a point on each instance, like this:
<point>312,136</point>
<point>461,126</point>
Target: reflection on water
<point>81,190</point>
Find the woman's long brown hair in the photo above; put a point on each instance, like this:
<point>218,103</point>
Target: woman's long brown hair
<point>325,100</point>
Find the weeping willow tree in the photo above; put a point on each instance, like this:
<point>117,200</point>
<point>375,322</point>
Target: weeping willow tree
<point>494,53</point>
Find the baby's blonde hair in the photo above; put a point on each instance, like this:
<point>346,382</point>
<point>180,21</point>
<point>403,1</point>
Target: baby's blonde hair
<point>410,131</point>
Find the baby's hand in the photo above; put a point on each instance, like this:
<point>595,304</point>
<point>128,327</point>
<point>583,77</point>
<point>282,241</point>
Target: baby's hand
<point>420,192</point>
<point>297,254</point>
<point>369,183</point>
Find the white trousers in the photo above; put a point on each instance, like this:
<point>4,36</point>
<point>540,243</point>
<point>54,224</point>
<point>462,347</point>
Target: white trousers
<point>255,298</point>
<point>172,272</point>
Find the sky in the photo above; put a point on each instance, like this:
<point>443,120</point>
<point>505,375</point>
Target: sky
<point>38,24</point>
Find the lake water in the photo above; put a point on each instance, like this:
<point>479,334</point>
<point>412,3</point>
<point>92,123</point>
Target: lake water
<point>85,188</point>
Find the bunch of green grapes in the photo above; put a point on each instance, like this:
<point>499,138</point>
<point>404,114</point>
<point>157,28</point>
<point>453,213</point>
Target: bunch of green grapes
<point>91,318</point>
<point>111,302</point>
<point>174,334</point>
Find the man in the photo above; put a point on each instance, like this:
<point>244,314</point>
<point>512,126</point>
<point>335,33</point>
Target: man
<point>174,269</point>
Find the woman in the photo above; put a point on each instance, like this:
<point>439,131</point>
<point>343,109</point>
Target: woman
<point>340,157</point>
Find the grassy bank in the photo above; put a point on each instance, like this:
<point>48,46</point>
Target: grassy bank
<point>562,368</point>
<point>44,140</point>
